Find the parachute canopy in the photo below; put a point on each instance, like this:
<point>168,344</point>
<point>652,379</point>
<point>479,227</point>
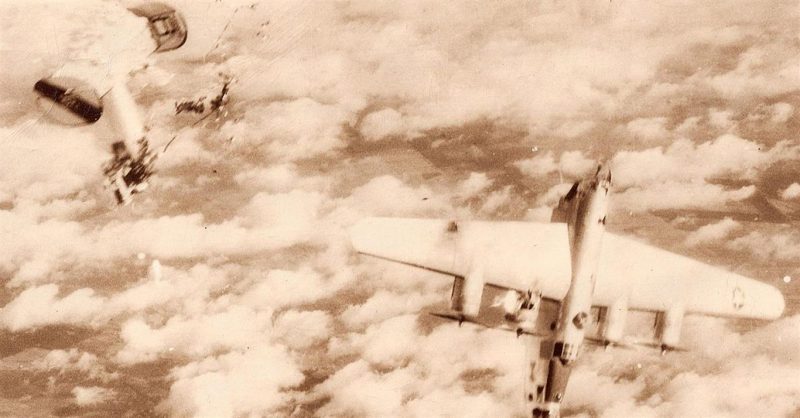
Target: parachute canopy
<point>68,100</point>
<point>167,26</point>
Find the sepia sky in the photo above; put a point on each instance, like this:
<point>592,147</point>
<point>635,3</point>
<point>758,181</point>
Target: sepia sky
<point>346,109</point>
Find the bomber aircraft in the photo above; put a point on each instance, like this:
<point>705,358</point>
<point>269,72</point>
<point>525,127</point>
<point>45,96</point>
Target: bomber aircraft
<point>577,268</point>
<point>81,92</point>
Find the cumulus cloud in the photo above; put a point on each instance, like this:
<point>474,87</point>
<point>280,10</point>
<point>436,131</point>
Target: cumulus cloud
<point>473,185</point>
<point>712,232</point>
<point>65,361</point>
<point>33,153</point>
<point>253,382</point>
<point>267,221</point>
<point>648,129</point>
<point>674,195</point>
<point>85,396</point>
<point>387,196</point>
<point>196,336</point>
<point>248,211</point>
<point>38,306</point>
<point>781,112</point>
<point>791,192</point>
<point>289,130</point>
<point>573,164</point>
<point>282,178</point>
<point>540,165</point>
<point>384,305</point>
<point>684,161</point>
<point>302,329</point>
<point>684,174</point>
<point>380,124</point>
<point>782,245</point>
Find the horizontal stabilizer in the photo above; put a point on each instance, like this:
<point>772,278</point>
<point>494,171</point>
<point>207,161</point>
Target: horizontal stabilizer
<point>600,342</point>
<point>455,316</point>
<point>659,346</point>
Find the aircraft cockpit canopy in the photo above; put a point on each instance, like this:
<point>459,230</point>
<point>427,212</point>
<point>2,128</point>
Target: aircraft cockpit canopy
<point>167,26</point>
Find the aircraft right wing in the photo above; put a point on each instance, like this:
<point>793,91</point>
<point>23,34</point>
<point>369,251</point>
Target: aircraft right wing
<point>658,280</point>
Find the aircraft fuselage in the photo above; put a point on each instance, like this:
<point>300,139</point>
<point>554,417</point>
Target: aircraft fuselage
<point>585,208</point>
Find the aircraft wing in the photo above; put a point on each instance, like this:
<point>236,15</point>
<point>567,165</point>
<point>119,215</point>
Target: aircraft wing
<point>527,255</point>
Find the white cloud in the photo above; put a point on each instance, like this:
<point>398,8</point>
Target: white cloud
<point>289,130</point>
<point>648,129</point>
<point>39,306</point>
<point>302,329</point>
<point>712,232</point>
<point>188,289</point>
<point>253,382</point>
<point>383,305</point>
<point>280,288</point>
<point>41,162</point>
<point>475,184</point>
<point>456,401</point>
<point>280,178</point>
<point>574,129</point>
<point>721,119</point>
<point>791,192</point>
<point>359,391</point>
<point>540,165</point>
<point>195,336</point>
<point>260,243</point>
<point>573,164</point>
<point>781,112</point>
<point>389,196</point>
<point>674,195</point>
<point>770,245</point>
<point>497,200</point>
<point>91,395</point>
<point>382,123</point>
<point>73,360</point>
<point>684,161</point>
<point>387,343</point>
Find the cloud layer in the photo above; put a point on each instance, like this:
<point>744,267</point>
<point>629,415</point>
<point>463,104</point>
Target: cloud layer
<point>351,109</point>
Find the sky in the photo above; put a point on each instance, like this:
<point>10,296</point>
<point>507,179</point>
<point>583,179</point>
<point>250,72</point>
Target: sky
<point>341,110</point>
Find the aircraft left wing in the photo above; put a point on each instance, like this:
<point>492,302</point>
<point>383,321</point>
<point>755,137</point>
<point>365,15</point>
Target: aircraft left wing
<point>527,255</point>
<point>512,255</point>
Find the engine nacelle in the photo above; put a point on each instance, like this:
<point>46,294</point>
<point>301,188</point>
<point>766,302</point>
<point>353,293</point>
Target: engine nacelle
<point>467,294</point>
<point>668,327</point>
<point>614,321</point>
<point>521,309</point>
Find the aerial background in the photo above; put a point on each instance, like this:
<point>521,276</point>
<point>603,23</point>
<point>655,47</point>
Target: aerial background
<point>346,109</point>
